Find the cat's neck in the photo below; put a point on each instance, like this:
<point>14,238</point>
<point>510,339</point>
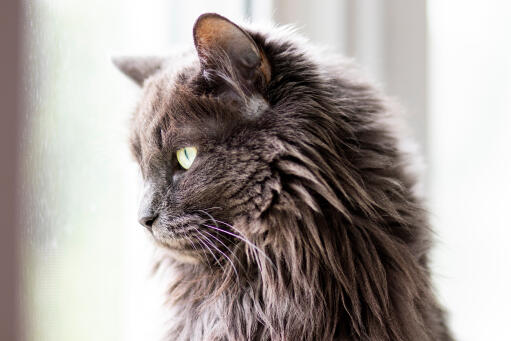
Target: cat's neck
<point>345,283</point>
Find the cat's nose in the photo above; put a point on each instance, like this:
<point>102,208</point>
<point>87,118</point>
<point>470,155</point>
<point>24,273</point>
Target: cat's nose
<point>147,214</point>
<point>147,220</point>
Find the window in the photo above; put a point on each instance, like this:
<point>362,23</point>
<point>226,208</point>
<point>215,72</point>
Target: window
<point>470,161</point>
<point>86,262</point>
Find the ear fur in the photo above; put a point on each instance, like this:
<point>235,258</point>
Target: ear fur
<point>215,36</point>
<point>138,68</point>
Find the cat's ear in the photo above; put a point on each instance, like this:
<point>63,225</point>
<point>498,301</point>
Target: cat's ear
<point>139,68</point>
<point>216,37</point>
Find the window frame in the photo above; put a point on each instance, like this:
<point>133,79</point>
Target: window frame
<point>10,37</point>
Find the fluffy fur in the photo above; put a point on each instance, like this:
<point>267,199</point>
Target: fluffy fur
<point>298,220</point>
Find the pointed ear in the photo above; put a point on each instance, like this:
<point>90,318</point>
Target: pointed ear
<point>216,36</point>
<point>138,68</point>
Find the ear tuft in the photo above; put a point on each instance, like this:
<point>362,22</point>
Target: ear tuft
<point>215,35</point>
<point>139,68</point>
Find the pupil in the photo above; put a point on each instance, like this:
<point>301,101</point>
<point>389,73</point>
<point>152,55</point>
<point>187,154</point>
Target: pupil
<point>186,154</point>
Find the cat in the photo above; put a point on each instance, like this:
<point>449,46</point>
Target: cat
<point>280,191</point>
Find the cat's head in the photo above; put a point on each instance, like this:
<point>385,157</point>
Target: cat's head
<point>242,128</point>
<point>205,136</point>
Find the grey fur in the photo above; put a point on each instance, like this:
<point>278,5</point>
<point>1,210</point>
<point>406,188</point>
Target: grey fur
<point>298,223</point>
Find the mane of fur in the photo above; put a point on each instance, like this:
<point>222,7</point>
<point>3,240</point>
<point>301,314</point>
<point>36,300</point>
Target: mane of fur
<point>342,238</point>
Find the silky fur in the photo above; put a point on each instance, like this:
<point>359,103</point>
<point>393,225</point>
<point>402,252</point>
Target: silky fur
<point>310,170</point>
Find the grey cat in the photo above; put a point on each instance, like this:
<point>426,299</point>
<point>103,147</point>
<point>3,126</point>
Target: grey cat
<point>276,184</point>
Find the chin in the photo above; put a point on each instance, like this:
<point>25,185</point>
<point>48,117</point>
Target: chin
<point>177,244</point>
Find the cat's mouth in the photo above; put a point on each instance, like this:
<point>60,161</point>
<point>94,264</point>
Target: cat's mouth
<point>196,236</point>
<point>174,233</point>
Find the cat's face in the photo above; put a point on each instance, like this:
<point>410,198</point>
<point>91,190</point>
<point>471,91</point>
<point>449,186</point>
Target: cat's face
<point>205,138</point>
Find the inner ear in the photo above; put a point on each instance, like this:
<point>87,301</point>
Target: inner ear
<point>217,38</point>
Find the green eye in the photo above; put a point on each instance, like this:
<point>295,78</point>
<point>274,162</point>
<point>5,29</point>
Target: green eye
<point>185,156</point>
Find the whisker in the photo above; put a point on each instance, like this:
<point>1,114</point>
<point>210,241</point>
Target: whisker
<point>210,216</point>
<point>229,225</point>
<point>195,248</point>
<point>221,242</point>
<point>232,227</point>
<point>240,236</point>
<point>228,258</point>
<point>235,229</point>
<point>243,239</point>
<point>213,245</point>
<point>210,251</point>
<point>212,208</point>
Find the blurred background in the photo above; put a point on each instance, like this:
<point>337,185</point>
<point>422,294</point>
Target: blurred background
<point>82,263</point>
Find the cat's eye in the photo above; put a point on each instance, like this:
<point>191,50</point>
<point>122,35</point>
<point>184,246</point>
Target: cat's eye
<point>186,156</point>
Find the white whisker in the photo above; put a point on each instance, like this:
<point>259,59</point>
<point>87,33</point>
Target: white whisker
<point>228,258</point>
<point>249,243</point>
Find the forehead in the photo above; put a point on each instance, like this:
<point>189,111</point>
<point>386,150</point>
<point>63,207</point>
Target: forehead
<point>175,107</point>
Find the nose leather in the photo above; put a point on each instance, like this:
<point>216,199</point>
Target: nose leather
<point>147,221</point>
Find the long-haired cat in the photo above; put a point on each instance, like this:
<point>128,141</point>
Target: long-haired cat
<point>277,185</point>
